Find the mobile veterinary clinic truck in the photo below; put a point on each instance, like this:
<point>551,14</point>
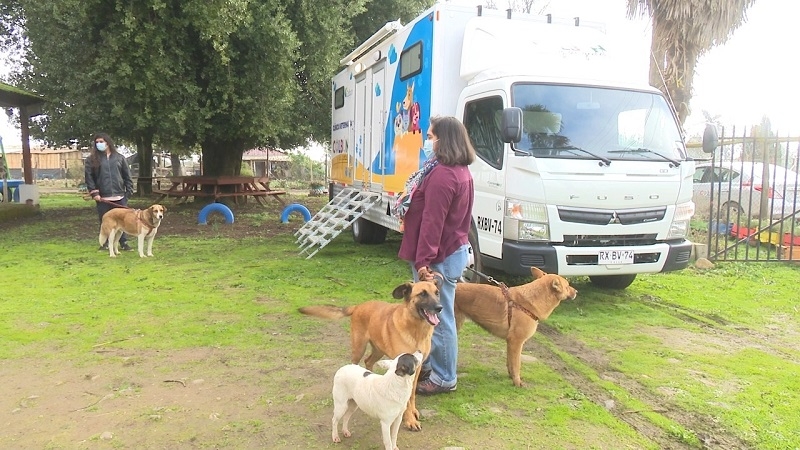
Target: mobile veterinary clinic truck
<point>576,173</point>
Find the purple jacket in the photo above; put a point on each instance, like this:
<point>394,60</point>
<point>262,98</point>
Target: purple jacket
<point>437,221</point>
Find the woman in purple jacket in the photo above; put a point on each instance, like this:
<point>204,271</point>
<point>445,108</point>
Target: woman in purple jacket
<point>435,237</point>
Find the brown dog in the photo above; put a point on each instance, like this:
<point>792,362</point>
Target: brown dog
<point>391,329</point>
<point>513,316</point>
<point>142,223</point>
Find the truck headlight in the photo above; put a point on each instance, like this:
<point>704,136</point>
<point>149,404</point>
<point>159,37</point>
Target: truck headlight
<point>526,221</point>
<point>680,223</point>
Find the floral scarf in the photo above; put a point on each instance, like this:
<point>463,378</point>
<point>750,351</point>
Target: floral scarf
<point>403,200</point>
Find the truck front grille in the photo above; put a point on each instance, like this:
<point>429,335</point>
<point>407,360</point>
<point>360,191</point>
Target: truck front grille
<point>607,216</point>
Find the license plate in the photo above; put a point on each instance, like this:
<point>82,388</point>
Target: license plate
<point>606,257</point>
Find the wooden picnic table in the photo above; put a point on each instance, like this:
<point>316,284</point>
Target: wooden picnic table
<point>212,187</point>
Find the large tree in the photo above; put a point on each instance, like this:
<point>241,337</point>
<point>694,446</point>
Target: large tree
<point>226,75</point>
<point>683,30</point>
<point>221,75</point>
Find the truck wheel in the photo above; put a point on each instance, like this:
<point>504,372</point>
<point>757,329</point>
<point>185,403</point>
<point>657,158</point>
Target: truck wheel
<point>369,233</point>
<point>612,281</point>
<point>474,259</point>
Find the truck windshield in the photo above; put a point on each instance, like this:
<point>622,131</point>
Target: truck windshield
<point>607,123</point>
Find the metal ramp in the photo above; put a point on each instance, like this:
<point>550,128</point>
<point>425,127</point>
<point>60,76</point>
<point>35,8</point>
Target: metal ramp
<point>333,218</point>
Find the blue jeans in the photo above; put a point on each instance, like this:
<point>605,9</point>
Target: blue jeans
<point>443,359</point>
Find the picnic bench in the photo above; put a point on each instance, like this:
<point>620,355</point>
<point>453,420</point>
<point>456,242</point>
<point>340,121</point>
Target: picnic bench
<point>217,187</point>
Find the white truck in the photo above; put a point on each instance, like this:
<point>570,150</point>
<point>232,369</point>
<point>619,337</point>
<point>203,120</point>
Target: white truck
<point>577,173</point>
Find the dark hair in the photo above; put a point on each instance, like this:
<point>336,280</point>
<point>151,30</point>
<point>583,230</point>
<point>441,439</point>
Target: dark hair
<point>453,147</point>
<point>94,157</point>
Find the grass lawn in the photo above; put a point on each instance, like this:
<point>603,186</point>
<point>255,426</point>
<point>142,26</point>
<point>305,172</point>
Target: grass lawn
<point>202,346</point>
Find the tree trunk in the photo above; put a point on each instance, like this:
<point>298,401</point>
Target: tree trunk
<point>144,147</point>
<point>672,66</point>
<point>222,158</point>
<point>175,159</point>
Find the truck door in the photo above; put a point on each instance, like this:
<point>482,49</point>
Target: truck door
<point>362,121</point>
<point>377,125</point>
<point>482,120</point>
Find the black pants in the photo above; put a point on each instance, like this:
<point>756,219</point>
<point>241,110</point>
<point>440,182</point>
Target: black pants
<point>103,207</point>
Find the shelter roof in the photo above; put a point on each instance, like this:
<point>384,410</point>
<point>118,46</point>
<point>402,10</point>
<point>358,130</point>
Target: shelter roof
<point>12,97</point>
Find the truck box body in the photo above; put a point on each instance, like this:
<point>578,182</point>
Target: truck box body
<point>599,184</point>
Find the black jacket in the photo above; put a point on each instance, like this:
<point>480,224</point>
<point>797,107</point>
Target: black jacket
<point>111,179</point>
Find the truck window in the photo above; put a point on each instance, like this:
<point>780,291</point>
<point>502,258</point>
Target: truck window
<point>482,120</point>
<point>338,98</point>
<point>620,124</point>
<point>411,61</point>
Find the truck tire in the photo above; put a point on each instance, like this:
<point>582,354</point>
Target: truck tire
<point>369,233</point>
<point>612,281</point>
<point>474,260</point>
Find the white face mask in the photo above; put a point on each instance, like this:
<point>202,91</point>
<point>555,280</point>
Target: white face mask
<point>101,146</point>
<point>427,147</point>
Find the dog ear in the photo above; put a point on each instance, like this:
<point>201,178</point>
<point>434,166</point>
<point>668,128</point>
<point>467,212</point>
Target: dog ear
<point>438,279</point>
<point>557,285</point>
<point>402,291</point>
<point>537,273</point>
<point>383,364</point>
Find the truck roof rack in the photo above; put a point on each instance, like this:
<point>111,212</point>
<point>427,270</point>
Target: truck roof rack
<point>387,30</point>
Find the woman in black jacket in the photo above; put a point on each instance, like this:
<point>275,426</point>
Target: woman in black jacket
<point>108,179</point>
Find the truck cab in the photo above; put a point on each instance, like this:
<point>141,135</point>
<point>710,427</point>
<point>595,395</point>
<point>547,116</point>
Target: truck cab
<point>597,184</point>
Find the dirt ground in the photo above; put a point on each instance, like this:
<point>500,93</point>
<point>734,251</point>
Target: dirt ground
<point>211,398</point>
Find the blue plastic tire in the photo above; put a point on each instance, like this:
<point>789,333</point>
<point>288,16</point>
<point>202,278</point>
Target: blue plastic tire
<point>295,207</point>
<point>214,207</point>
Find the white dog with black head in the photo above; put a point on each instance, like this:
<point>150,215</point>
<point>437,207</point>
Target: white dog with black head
<point>381,396</point>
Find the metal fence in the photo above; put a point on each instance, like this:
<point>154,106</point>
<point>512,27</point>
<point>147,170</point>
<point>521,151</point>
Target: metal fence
<point>748,194</point>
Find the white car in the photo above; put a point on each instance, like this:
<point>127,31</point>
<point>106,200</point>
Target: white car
<point>738,186</point>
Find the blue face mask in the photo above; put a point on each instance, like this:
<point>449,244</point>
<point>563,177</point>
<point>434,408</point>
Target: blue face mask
<point>101,146</point>
<point>427,147</point>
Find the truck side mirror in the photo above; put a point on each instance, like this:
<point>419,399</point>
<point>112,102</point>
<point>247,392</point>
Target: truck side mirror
<point>710,139</point>
<point>511,125</point>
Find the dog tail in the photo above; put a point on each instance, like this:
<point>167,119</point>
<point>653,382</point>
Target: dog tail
<point>327,311</point>
<point>103,237</point>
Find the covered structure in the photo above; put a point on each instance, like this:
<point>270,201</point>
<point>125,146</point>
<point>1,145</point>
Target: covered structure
<point>29,105</point>
<point>267,162</point>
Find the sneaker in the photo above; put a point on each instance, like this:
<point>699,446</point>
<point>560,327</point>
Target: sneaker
<point>428,387</point>
<point>125,247</point>
<point>424,375</point>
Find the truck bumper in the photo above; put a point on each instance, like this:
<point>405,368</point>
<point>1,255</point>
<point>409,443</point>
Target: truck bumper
<point>518,257</point>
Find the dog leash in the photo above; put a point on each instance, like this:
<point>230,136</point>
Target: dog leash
<point>504,289</point>
<point>116,205</point>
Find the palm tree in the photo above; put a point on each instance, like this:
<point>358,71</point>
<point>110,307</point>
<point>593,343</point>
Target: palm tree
<point>683,30</point>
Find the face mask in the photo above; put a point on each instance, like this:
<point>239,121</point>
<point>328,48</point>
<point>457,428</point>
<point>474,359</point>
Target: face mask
<point>101,146</point>
<point>427,147</point>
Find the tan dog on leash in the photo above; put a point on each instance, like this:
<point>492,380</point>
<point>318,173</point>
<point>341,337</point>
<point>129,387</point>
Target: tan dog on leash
<point>391,329</point>
<point>512,313</point>
<point>142,223</point>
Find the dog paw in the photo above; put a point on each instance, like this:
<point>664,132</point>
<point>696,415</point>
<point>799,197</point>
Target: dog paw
<point>347,433</point>
<point>336,438</point>
<point>414,425</point>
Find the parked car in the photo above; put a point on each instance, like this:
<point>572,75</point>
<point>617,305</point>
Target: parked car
<point>738,186</point>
